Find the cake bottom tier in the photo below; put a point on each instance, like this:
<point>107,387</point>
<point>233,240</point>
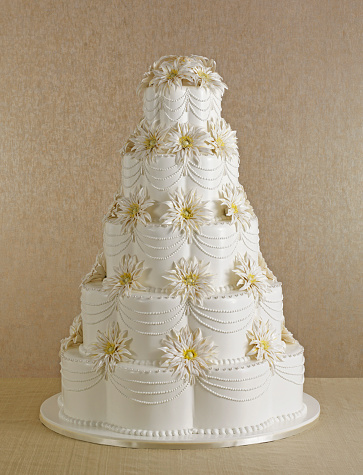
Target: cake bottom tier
<point>149,400</point>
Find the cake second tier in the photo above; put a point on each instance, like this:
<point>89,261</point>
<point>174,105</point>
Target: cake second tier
<point>149,316</point>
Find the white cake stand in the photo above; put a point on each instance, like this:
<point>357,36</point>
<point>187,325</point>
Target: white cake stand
<point>49,416</point>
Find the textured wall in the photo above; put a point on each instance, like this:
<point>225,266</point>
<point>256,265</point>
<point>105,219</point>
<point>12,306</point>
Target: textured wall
<point>68,73</point>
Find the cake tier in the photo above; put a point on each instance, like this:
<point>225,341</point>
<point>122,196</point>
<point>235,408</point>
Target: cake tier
<point>185,104</point>
<point>159,247</point>
<point>243,397</point>
<point>149,317</point>
<point>165,176</point>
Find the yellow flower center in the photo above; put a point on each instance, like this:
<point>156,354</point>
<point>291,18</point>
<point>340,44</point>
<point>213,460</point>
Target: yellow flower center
<point>220,142</point>
<point>265,344</point>
<point>187,213</point>
<point>110,348</point>
<point>186,141</point>
<point>204,76</point>
<point>190,354</point>
<point>134,209</point>
<point>173,73</point>
<point>234,208</point>
<point>251,278</point>
<point>125,278</point>
<point>150,142</point>
<point>190,279</point>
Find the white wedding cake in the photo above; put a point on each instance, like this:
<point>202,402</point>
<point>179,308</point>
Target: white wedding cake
<point>181,328</point>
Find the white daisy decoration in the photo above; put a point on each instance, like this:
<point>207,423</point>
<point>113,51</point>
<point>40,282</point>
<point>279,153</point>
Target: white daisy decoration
<point>186,212</point>
<point>125,279</point>
<point>236,206</point>
<point>265,269</point>
<point>110,348</point>
<point>252,279</point>
<point>169,76</point>
<point>144,84</point>
<point>187,142</point>
<point>114,208</point>
<point>148,141</point>
<point>223,139</point>
<point>132,210</point>
<point>265,342</point>
<point>203,61</point>
<point>98,271</point>
<point>190,280</point>
<point>286,335</point>
<point>204,76</point>
<point>75,334</point>
<point>188,354</point>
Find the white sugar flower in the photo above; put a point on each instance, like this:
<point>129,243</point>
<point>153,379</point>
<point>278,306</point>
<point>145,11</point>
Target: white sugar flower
<point>237,207</point>
<point>204,76</point>
<point>110,348</point>
<point>252,279</point>
<point>114,208</point>
<point>187,142</point>
<point>75,334</point>
<point>125,279</point>
<point>203,61</point>
<point>265,342</point>
<point>265,269</point>
<point>169,76</point>
<point>148,141</point>
<point>144,84</point>
<point>98,271</point>
<point>191,280</point>
<point>223,139</point>
<point>286,335</point>
<point>132,210</point>
<point>186,212</point>
<point>188,354</point>
<point>184,60</point>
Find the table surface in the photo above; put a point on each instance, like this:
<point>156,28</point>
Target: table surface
<point>332,446</point>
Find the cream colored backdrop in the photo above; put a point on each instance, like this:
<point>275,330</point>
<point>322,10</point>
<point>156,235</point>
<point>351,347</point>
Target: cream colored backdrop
<point>68,73</point>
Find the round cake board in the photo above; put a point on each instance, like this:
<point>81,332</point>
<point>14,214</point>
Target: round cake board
<point>49,416</point>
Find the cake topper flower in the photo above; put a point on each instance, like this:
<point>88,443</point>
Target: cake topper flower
<point>204,76</point>
<point>252,279</point>
<point>125,279</point>
<point>132,210</point>
<point>186,212</point>
<point>110,348</point>
<point>190,280</point>
<point>237,207</point>
<point>148,141</point>
<point>169,76</point>
<point>75,334</point>
<point>265,269</point>
<point>188,354</point>
<point>187,142</point>
<point>98,271</point>
<point>223,139</point>
<point>286,335</point>
<point>265,342</point>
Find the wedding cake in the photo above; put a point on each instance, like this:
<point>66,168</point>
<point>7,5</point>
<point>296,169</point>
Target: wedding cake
<point>181,330</point>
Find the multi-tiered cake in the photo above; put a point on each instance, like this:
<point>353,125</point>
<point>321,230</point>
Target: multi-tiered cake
<point>181,329</point>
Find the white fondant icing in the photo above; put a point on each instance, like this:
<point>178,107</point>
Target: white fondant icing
<point>146,398</point>
<point>186,104</point>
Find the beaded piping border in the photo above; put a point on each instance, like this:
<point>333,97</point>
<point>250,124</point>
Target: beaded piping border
<point>165,294</point>
<point>218,367</point>
<point>182,432</point>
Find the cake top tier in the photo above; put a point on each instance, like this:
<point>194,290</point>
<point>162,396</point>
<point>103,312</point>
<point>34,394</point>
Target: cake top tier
<point>184,89</point>
<point>171,72</point>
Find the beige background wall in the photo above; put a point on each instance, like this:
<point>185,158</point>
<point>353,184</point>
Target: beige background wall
<point>68,73</point>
